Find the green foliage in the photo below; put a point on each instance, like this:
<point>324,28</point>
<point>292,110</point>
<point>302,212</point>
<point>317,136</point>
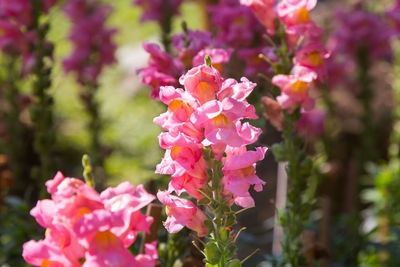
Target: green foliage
<point>16,227</point>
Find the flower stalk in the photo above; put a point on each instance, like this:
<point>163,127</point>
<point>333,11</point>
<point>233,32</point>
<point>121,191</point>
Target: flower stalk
<point>42,109</point>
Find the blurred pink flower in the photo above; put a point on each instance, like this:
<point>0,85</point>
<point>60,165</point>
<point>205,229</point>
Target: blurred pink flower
<point>156,10</point>
<point>237,24</point>
<point>92,41</point>
<point>311,123</point>
<point>295,88</point>
<point>264,11</point>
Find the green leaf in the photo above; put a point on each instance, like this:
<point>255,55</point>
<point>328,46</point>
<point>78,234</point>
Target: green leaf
<point>204,201</point>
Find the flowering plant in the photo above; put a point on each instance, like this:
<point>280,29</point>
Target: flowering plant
<point>207,158</point>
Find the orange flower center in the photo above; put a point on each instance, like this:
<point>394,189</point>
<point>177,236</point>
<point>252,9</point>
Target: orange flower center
<point>221,121</point>
<point>180,106</point>
<point>239,21</point>
<point>299,87</point>
<point>303,15</point>
<point>205,92</point>
<point>248,171</point>
<point>104,240</point>
<point>315,59</point>
<point>45,263</point>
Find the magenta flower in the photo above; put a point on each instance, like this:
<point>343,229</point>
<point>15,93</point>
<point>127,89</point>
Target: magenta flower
<point>357,30</point>
<point>181,213</point>
<point>254,64</point>
<point>162,69</point>
<point>93,46</point>
<point>237,24</point>
<point>155,10</point>
<point>311,124</point>
<point>20,10</point>
<point>190,43</point>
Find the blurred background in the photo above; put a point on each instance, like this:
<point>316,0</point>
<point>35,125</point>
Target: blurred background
<point>130,149</point>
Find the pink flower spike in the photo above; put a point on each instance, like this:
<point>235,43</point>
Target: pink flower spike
<point>181,213</point>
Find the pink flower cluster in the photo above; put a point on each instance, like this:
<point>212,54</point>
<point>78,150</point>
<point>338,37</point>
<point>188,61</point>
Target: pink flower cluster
<point>164,69</point>
<point>360,29</point>
<point>154,10</point>
<point>237,25</point>
<point>206,113</point>
<point>304,40</point>
<point>16,37</point>
<point>358,33</point>
<point>84,228</point>
<point>92,41</point>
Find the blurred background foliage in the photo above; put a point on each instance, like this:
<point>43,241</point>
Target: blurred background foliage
<point>130,138</point>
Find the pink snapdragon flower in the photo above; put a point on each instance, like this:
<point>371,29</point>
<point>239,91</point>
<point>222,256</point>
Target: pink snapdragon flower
<point>237,24</point>
<point>181,213</point>
<point>264,11</point>
<point>240,173</point>
<point>295,12</point>
<point>190,43</point>
<point>313,56</point>
<point>295,88</point>
<point>17,36</point>
<point>202,82</point>
<point>208,112</point>
<point>162,69</point>
<point>92,41</point>
<point>361,30</point>
<point>83,225</point>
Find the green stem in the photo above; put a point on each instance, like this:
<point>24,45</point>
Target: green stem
<point>41,112</point>
<point>95,123</point>
<point>220,248</point>
<point>166,25</point>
